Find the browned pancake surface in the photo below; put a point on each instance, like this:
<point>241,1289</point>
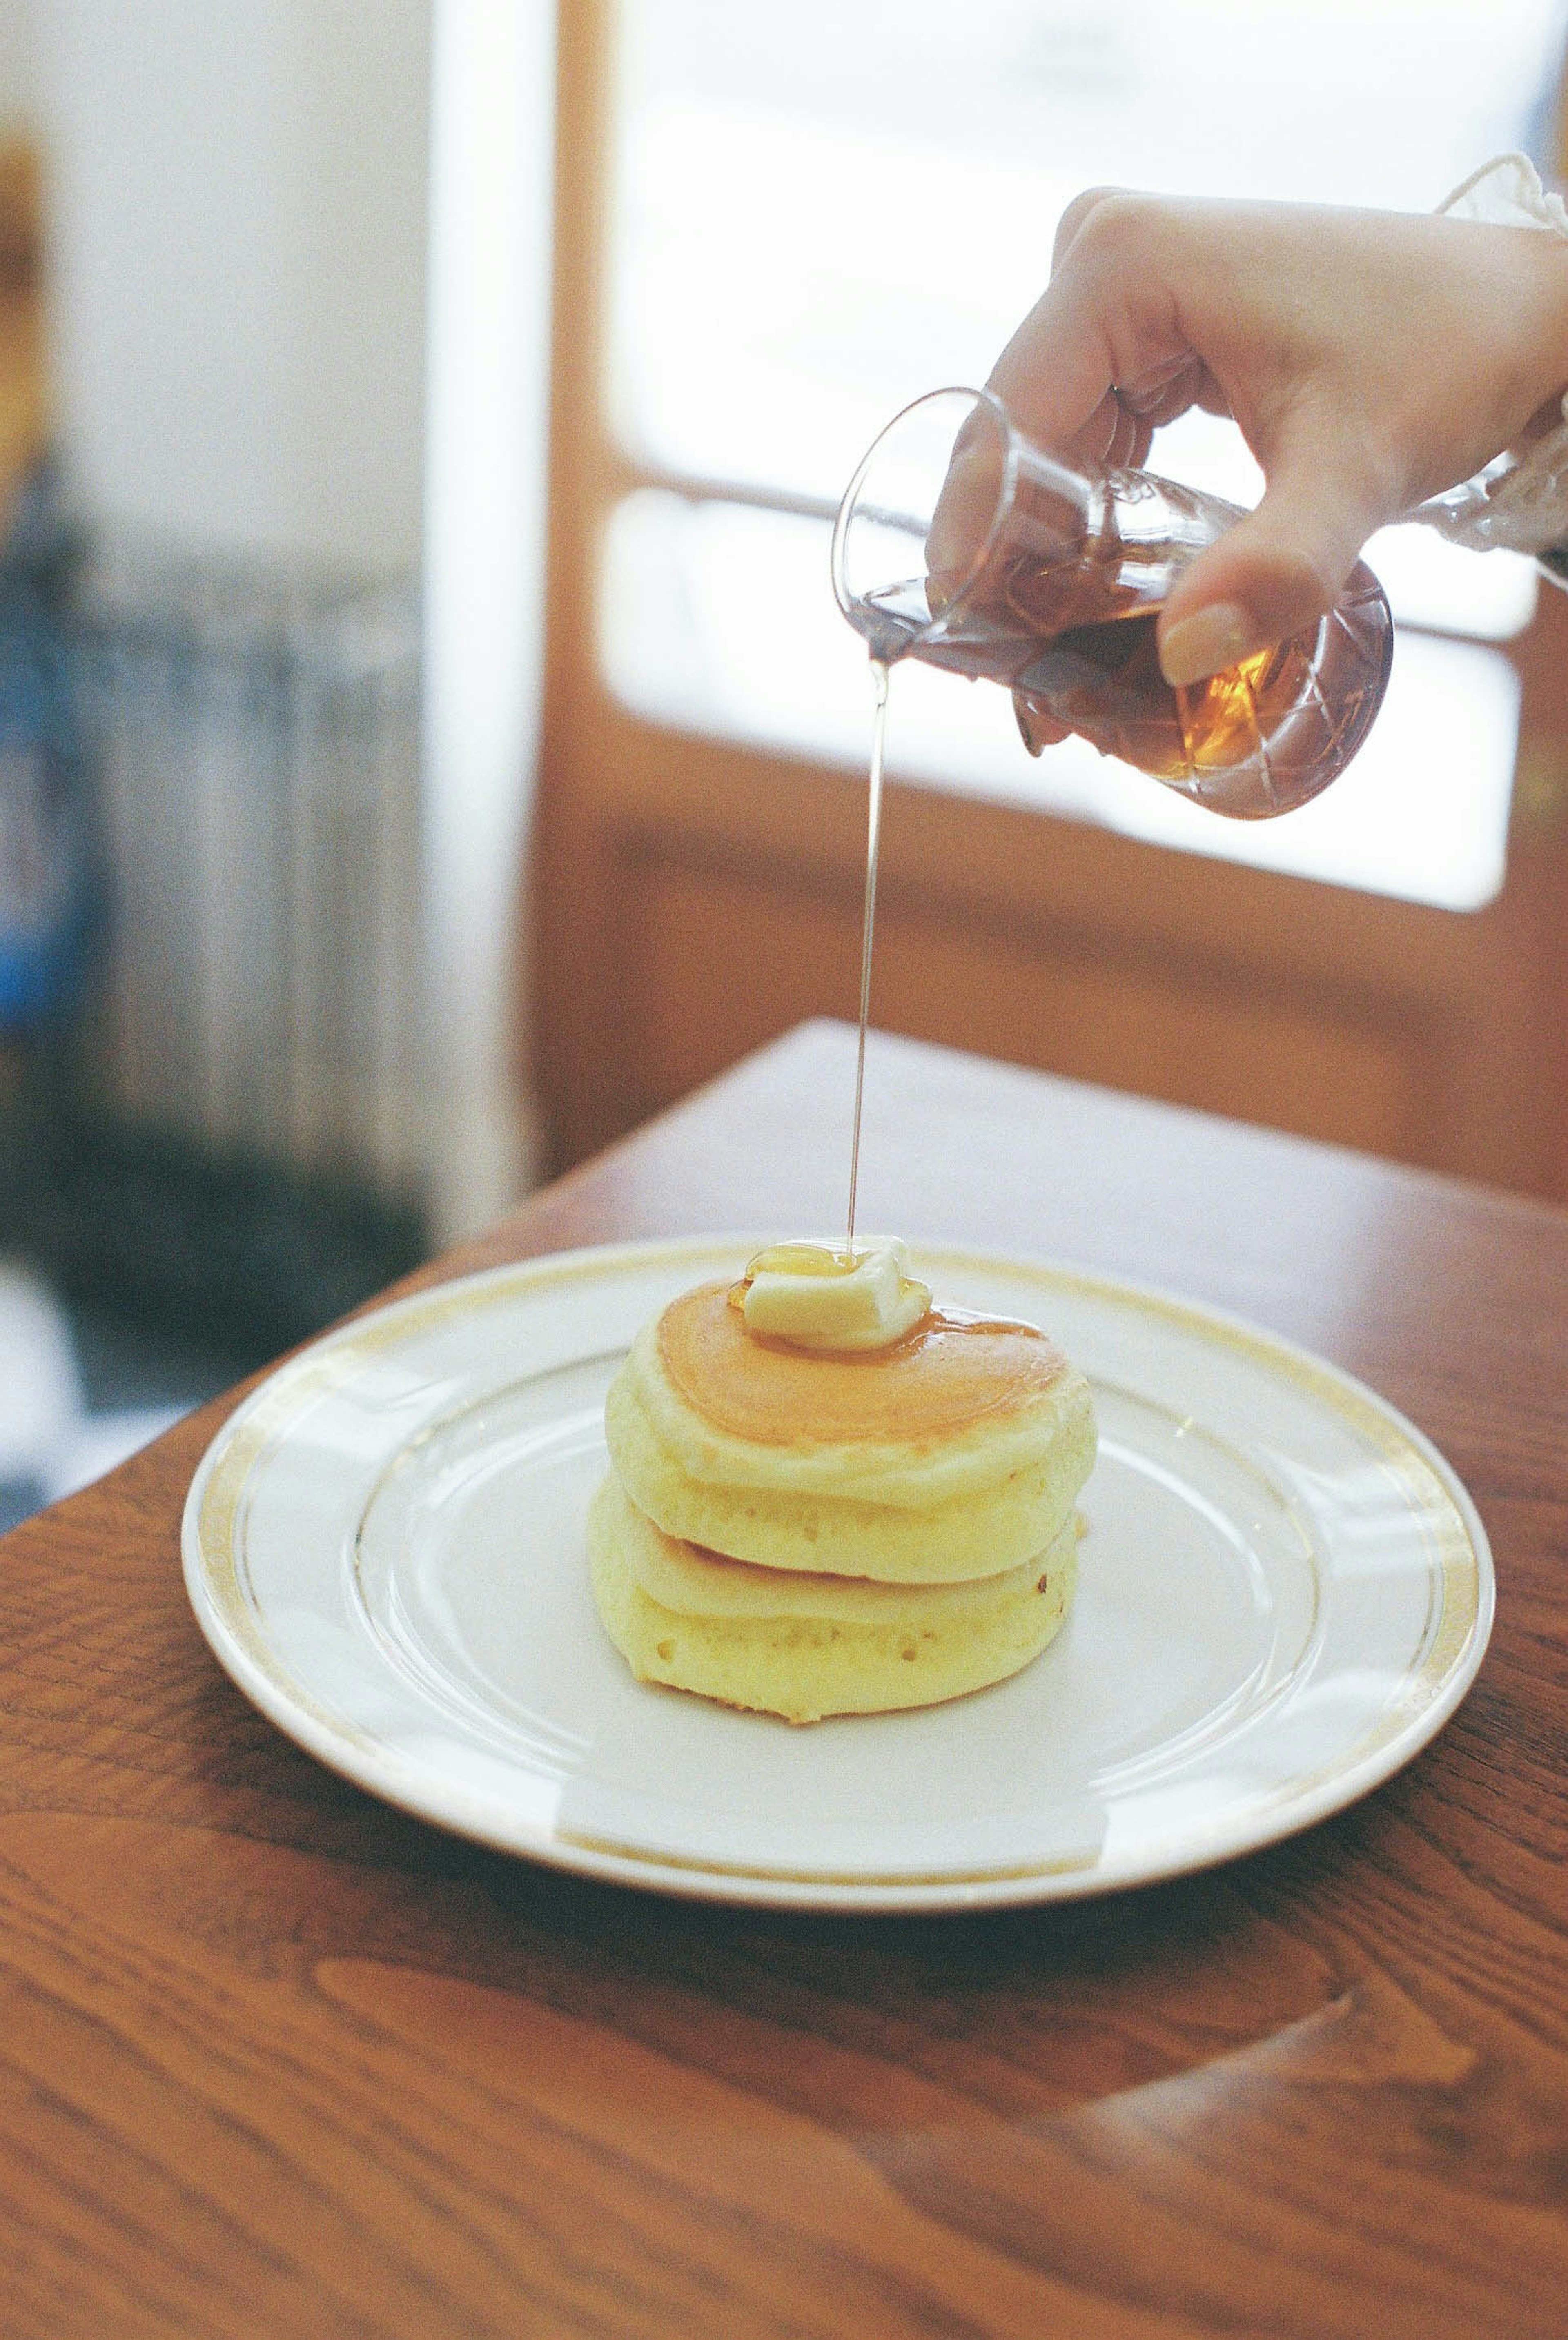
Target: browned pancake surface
<point>952,1370</point>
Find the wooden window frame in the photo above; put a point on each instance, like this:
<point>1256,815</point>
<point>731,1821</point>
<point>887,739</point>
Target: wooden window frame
<point>692,896</point>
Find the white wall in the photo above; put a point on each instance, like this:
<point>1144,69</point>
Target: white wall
<point>239,193</point>
<point>488,411</point>
<point>17,73</point>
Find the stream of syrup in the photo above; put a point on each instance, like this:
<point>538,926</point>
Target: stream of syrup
<point>873,838</point>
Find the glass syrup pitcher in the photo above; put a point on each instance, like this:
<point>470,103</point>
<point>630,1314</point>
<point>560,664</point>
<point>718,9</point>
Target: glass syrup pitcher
<point>961,542</point>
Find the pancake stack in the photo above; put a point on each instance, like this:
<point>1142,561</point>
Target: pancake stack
<point>825,1529</point>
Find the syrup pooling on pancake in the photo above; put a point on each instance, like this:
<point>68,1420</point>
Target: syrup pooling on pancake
<point>951,1371</point>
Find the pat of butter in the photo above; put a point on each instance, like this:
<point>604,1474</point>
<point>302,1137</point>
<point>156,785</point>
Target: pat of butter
<point>817,1298</point>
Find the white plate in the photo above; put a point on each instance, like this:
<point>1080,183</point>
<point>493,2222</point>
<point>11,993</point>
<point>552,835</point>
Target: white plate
<point>1284,1593</point>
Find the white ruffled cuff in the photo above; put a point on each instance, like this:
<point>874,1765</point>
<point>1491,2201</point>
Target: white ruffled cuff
<point>1519,501</point>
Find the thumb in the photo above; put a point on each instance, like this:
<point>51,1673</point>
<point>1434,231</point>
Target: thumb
<point>1274,572</point>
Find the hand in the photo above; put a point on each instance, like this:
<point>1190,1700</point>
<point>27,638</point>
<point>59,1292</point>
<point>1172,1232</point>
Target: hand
<point>1370,358</point>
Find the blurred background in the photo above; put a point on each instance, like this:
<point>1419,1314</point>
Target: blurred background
<point>428,743</point>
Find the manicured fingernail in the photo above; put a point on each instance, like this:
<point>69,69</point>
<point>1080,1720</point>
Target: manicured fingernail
<point>1026,731</point>
<point>1209,640</point>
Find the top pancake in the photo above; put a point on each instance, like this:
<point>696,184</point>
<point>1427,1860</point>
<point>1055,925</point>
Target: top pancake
<point>955,1451</point>
<point>951,1374</point>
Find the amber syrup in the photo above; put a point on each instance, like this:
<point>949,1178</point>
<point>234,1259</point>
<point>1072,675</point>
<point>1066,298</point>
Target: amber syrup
<point>867,926</point>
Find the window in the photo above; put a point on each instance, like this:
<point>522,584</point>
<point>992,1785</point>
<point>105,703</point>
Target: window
<point>774,228</point>
<point>820,213</point>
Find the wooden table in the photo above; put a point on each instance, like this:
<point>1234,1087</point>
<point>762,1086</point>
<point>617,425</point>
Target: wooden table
<point>277,2060</point>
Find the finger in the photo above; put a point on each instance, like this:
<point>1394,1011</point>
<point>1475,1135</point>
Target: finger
<point>1122,448</point>
<point>1275,572</point>
<point>1185,383</point>
<point>1076,217</point>
<point>1106,317</point>
<point>1137,453</point>
<point>1094,443</point>
<point>1076,366</point>
<point>964,509</point>
<point>1168,385</point>
<point>1056,371</point>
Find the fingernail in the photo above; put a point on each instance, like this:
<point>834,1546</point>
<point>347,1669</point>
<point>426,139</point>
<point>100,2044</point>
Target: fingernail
<point>1035,746</point>
<point>1209,640</point>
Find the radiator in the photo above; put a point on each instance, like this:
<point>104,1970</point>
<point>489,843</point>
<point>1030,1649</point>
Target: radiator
<point>252,735</point>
